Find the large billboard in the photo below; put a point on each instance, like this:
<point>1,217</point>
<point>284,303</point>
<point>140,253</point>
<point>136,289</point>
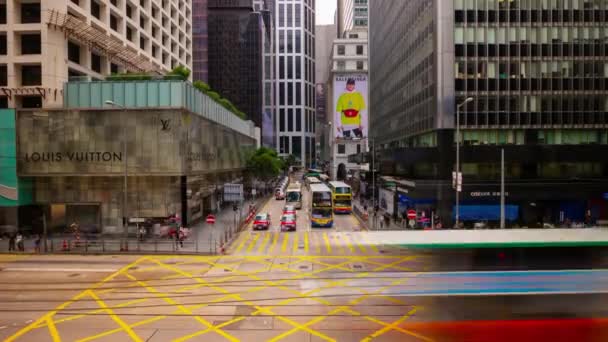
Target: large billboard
<point>351,119</point>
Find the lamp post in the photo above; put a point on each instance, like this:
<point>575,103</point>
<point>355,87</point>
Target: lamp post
<point>124,190</point>
<point>458,182</point>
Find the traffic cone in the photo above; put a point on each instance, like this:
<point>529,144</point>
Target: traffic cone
<point>65,247</point>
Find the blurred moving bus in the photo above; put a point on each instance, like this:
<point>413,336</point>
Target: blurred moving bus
<point>321,211</point>
<point>342,196</point>
<point>293,195</point>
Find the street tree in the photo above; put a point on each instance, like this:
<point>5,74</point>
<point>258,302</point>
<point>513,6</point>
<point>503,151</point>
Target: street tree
<point>264,164</point>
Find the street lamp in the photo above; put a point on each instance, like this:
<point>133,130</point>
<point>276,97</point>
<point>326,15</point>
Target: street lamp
<point>124,190</point>
<point>458,177</point>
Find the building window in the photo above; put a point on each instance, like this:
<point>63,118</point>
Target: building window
<point>3,102</point>
<point>359,50</point>
<point>359,65</point>
<point>114,2</point>
<point>142,43</point>
<point>96,63</point>
<point>3,44</point>
<point>129,34</point>
<point>96,9</point>
<point>129,11</point>
<point>113,23</point>
<point>358,148</point>
<point>353,36</point>
<point>31,75</point>
<point>30,13</point>
<point>31,102</point>
<point>3,75</point>
<point>2,13</point>
<point>341,149</point>
<point>74,52</point>
<point>341,65</point>
<point>341,50</point>
<point>113,68</point>
<point>30,44</point>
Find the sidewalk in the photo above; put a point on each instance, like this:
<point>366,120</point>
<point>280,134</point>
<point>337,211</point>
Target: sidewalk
<point>369,223</point>
<point>204,238</point>
<point>210,236</point>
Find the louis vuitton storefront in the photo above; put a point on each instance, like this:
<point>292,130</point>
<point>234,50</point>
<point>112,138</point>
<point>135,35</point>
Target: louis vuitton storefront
<point>76,160</point>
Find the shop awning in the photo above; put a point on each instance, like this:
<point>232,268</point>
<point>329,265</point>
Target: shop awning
<point>486,212</point>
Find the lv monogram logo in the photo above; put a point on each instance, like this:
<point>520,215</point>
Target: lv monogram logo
<point>166,124</point>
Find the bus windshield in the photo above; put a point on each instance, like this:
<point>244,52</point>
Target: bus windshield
<point>321,199</point>
<point>293,196</point>
<point>321,213</point>
<point>342,203</point>
<point>342,190</point>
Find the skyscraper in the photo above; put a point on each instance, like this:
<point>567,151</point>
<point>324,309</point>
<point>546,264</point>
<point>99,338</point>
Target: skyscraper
<point>268,128</point>
<point>295,70</point>
<point>200,38</point>
<point>533,76</point>
<point>352,15</point>
<point>235,44</point>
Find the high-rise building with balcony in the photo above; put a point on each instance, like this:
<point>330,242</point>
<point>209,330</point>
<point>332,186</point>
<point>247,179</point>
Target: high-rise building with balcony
<point>537,74</point>
<point>45,42</point>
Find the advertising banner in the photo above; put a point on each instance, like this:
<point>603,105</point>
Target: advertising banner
<point>351,118</point>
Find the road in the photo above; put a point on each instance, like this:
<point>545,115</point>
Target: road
<point>291,298</point>
<point>311,285</point>
<point>337,240</point>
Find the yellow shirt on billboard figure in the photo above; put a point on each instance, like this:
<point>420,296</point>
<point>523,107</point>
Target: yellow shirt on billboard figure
<point>349,105</point>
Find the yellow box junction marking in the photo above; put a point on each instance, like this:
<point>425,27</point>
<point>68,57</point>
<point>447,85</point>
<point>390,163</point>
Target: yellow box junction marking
<point>231,263</point>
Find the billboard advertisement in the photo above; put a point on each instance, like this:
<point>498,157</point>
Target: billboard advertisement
<point>351,118</point>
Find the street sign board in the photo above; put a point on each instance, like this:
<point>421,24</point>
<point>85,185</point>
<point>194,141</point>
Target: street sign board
<point>233,192</point>
<point>137,220</point>
<point>411,214</point>
<point>210,219</point>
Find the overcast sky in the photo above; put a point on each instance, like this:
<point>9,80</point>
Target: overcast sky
<point>325,11</point>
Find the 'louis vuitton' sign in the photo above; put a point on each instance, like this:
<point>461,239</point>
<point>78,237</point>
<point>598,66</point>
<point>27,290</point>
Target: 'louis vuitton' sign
<point>80,157</point>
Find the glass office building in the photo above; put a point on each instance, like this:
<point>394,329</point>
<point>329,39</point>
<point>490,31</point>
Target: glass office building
<point>538,76</point>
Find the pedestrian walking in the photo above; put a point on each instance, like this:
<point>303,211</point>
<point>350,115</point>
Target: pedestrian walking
<point>11,243</point>
<point>37,244</point>
<point>181,236</point>
<point>20,243</point>
<point>381,221</point>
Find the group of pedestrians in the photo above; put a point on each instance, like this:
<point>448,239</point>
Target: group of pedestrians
<point>16,243</point>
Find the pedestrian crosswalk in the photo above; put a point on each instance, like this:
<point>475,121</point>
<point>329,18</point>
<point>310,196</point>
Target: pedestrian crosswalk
<point>303,243</point>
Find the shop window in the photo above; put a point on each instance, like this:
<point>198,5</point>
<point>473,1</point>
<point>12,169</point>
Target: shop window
<point>30,13</point>
<point>30,44</point>
<point>31,75</point>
